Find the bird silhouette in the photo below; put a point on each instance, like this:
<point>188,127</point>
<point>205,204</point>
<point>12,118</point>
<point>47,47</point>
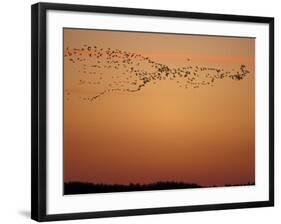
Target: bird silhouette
<point>116,70</point>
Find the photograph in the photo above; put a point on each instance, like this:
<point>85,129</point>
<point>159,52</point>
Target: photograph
<point>132,112</point>
<point>149,111</point>
<point>139,111</point>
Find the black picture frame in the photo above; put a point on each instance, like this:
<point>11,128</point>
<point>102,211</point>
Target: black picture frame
<point>38,108</point>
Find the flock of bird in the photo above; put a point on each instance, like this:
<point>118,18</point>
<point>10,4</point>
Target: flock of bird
<point>109,70</point>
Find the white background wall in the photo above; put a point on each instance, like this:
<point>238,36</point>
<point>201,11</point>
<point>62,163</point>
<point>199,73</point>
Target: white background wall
<point>15,110</point>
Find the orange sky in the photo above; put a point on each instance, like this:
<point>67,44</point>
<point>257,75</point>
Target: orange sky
<point>163,132</point>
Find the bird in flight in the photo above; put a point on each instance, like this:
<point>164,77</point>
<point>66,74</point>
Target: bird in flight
<point>114,70</point>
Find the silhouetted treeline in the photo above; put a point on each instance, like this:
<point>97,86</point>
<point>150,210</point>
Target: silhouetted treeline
<point>85,188</point>
<point>249,183</point>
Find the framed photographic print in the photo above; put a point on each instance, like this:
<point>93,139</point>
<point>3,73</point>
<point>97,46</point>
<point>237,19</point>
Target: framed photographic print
<point>140,111</point>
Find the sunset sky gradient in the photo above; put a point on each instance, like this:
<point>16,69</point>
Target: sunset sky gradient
<point>162,133</point>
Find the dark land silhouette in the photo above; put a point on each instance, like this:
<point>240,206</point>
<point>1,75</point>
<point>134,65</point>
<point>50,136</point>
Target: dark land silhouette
<point>89,188</point>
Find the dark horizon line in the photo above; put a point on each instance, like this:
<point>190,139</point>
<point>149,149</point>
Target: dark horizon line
<point>76,187</point>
